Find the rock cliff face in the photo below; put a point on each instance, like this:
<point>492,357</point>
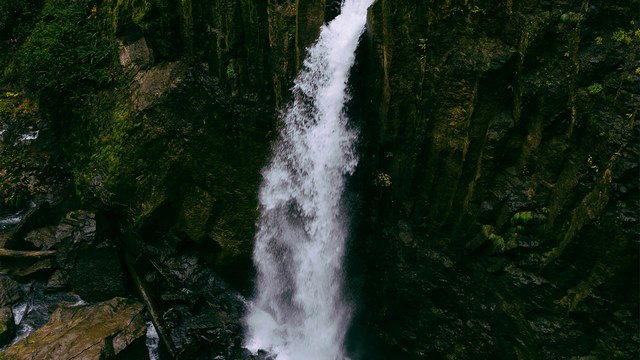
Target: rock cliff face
<point>507,135</point>
<point>496,200</point>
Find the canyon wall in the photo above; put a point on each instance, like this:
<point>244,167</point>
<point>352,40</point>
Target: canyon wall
<point>496,200</point>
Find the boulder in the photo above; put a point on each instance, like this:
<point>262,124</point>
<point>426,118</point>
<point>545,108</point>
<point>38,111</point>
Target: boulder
<point>135,54</point>
<point>100,331</point>
<point>151,84</point>
<point>7,325</point>
<point>39,268</point>
<point>42,238</point>
<point>97,273</point>
<point>57,281</point>
<point>77,226</point>
<point>197,315</point>
<point>9,291</point>
<point>89,263</point>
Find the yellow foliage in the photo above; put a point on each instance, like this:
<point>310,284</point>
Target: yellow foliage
<point>382,180</point>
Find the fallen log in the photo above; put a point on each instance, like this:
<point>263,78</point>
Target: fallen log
<point>153,312</point>
<point>26,254</point>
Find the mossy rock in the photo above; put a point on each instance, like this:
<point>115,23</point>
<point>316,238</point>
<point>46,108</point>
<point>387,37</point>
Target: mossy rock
<point>194,213</point>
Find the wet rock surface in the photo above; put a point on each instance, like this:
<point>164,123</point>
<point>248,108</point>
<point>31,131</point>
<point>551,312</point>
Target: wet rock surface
<point>36,306</point>
<point>196,313</point>
<point>7,325</point>
<point>98,331</point>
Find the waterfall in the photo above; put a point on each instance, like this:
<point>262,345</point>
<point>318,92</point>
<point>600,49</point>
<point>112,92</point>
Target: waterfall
<point>299,311</point>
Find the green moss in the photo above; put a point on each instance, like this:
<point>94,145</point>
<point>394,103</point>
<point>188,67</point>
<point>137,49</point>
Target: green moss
<point>522,218</point>
<point>571,17</point>
<point>97,144</point>
<point>194,213</point>
<point>458,352</point>
<point>187,23</point>
<point>22,166</point>
<point>497,242</point>
<point>382,180</point>
<point>136,11</point>
<point>595,89</point>
<point>623,36</point>
<point>7,104</point>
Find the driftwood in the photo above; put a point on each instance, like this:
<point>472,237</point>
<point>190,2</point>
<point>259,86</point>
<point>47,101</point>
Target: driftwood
<point>22,254</point>
<point>156,318</point>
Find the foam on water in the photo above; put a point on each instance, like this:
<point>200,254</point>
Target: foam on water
<point>299,311</point>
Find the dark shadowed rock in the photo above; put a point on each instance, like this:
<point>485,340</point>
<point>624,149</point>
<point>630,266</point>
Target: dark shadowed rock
<point>77,226</point>
<point>36,269</point>
<point>42,238</point>
<point>33,217</point>
<point>97,273</point>
<point>9,291</point>
<point>57,281</point>
<point>7,325</point>
<point>195,311</point>
<point>89,262</point>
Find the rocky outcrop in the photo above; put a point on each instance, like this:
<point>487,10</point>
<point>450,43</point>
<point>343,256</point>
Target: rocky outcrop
<point>100,331</point>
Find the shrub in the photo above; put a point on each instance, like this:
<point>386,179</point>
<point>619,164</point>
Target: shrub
<point>65,55</point>
<point>595,89</point>
<point>382,180</point>
<point>13,12</point>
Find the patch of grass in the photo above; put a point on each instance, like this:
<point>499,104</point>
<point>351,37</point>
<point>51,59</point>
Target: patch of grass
<point>65,56</point>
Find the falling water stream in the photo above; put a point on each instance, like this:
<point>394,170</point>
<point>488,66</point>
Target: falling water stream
<point>299,311</point>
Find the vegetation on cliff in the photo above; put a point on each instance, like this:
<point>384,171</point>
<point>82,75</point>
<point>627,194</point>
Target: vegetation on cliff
<point>510,133</point>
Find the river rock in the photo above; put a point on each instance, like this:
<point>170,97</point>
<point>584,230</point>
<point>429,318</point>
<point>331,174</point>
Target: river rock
<point>42,238</point>
<point>31,218</point>
<point>57,281</point>
<point>7,325</point>
<point>35,269</point>
<point>9,291</point>
<point>77,226</point>
<point>198,314</point>
<point>92,332</point>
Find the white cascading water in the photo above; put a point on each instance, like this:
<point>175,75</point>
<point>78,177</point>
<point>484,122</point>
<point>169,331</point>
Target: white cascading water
<point>299,311</point>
